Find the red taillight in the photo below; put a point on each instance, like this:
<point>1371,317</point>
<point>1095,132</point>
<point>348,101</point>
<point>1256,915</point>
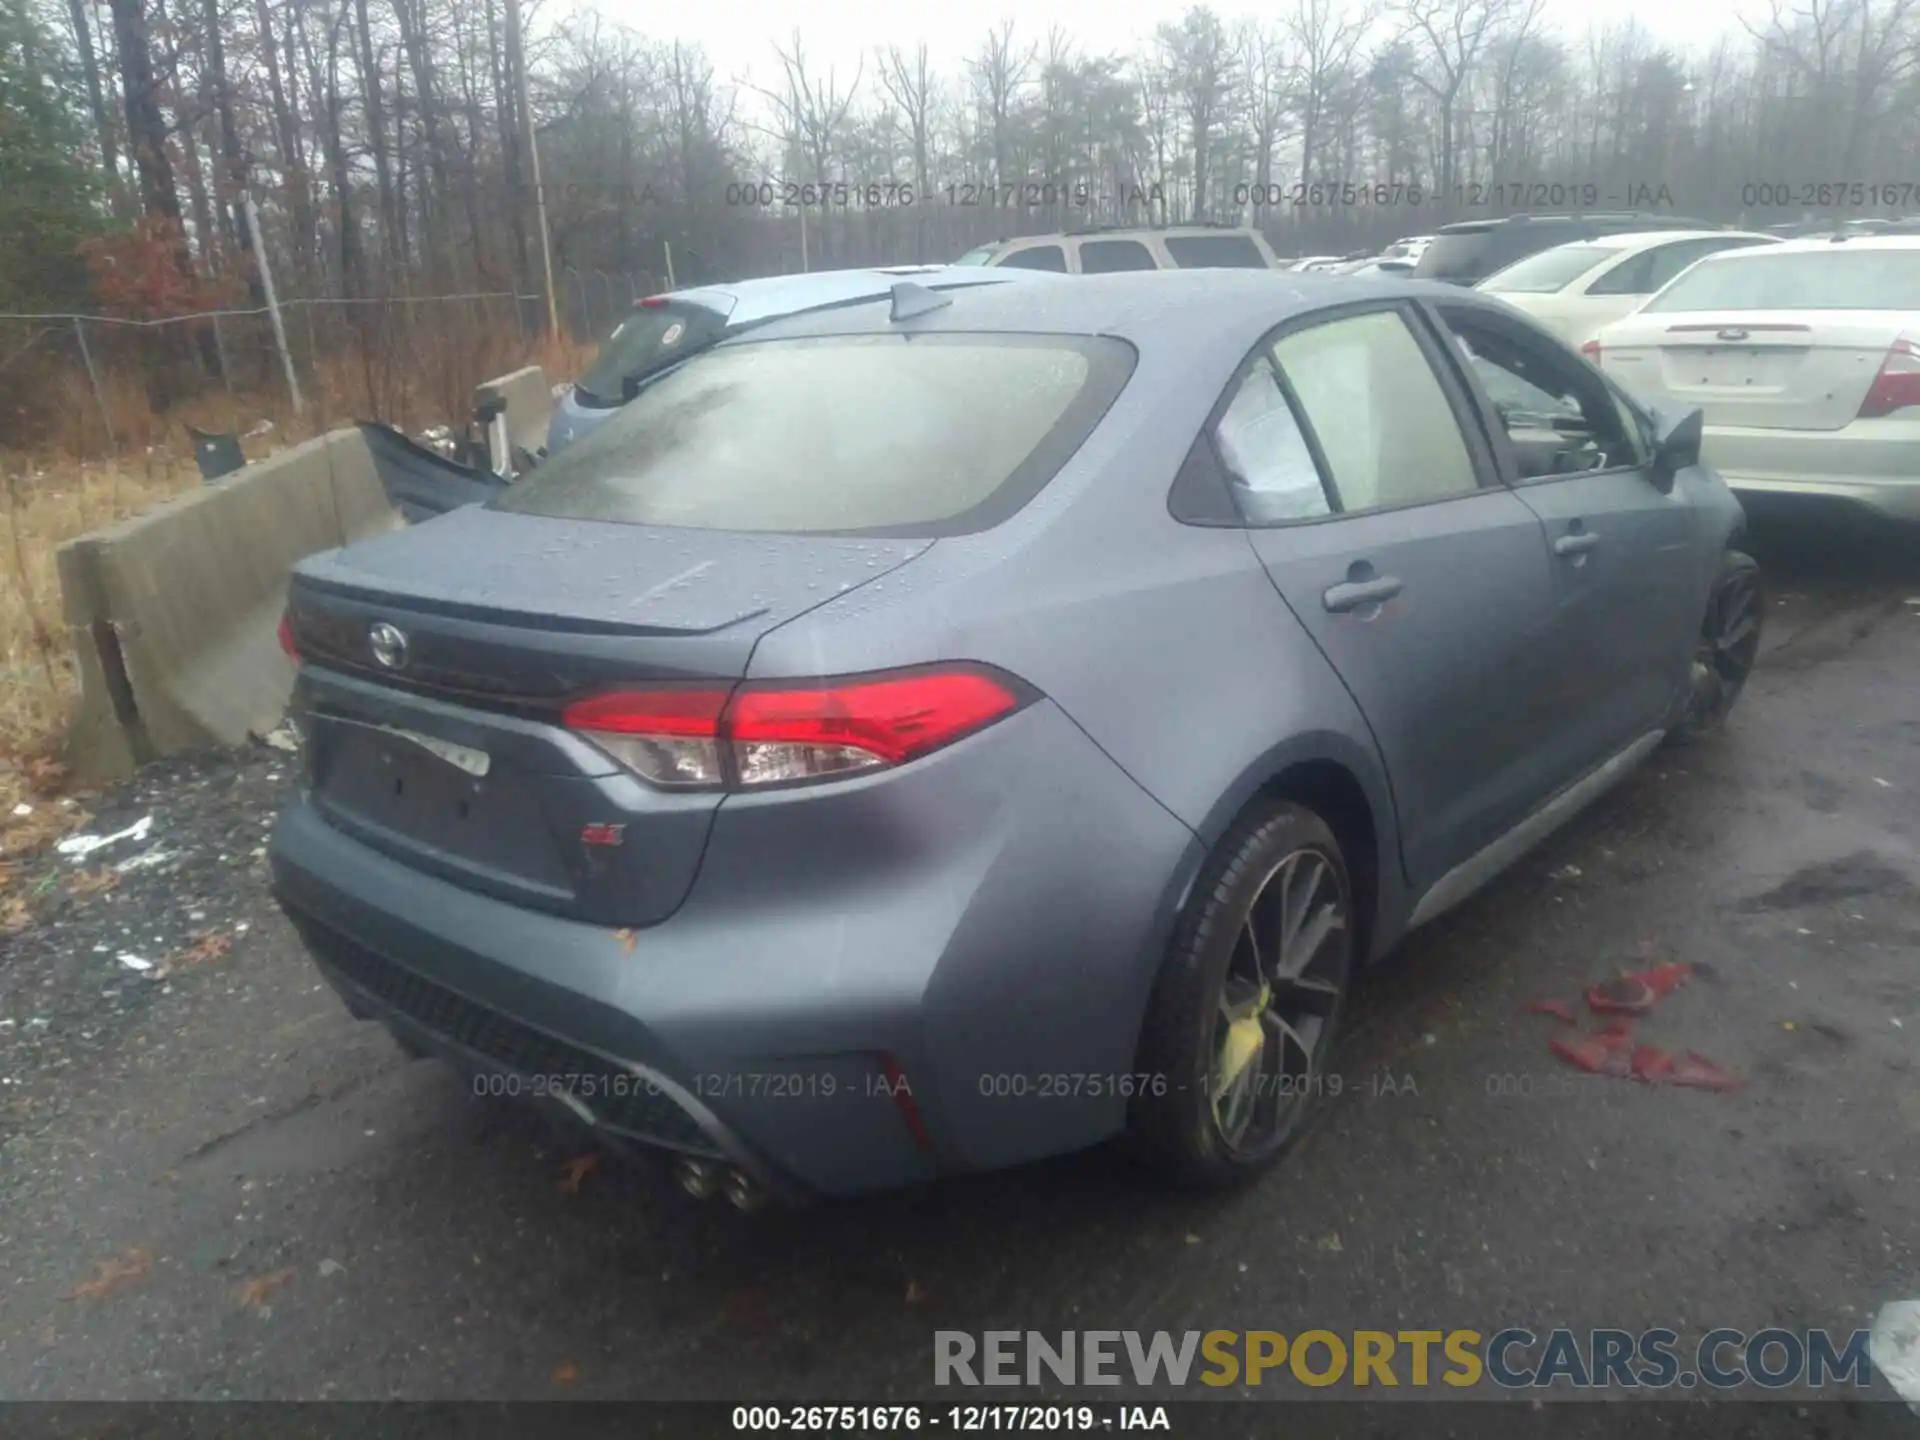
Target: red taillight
<point>653,302</point>
<point>1898,383</point>
<point>774,733</point>
<point>1591,350</point>
<point>669,736</point>
<point>286,639</point>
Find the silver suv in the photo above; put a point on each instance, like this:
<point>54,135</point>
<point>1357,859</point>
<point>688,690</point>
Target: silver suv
<point>1102,250</point>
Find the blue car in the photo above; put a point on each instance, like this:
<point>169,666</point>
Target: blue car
<point>936,733</point>
<point>664,329</point>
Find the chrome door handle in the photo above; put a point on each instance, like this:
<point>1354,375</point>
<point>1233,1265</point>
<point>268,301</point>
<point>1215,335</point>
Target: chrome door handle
<point>1354,594</point>
<point>1577,543</point>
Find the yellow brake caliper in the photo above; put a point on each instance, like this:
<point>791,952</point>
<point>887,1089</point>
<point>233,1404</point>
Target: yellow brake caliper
<point>1245,1039</point>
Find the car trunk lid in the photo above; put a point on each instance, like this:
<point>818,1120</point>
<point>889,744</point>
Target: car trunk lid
<point>1763,369</point>
<point>444,748</point>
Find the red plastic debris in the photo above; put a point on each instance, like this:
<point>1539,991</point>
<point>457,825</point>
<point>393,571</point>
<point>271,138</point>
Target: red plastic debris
<point>1592,1053</point>
<point>1663,980</point>
<point>1634,994</point>
<point>1700,1073</point>
<point>1628,995</point>
<point>1651,1063</point>
<point>1558,1009</point>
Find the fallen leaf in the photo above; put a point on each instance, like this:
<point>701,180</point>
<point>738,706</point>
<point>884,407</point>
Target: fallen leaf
<point>91,882</point>
<point>256,1290</point>
<point>914,1293</point>
<point>1331,1244</point>
<point>627,938</point>
<point>46,774</point>
<point>207,947</point>
<point>577,1169</point>
<point>114,1274</point>
<point>1788,1025</point>
<point>566,1374</point>
<point>1558,1009</point>
<point>16,914</point>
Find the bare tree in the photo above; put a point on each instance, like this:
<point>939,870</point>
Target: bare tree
<point>1455,34</point>
<point>909,83</point>
<point>1000,73</point>
<point>1328,36</point>
<point>1200,70</point>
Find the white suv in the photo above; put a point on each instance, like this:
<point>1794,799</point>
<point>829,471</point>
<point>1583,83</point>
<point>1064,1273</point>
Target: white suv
<point>1103,251</point>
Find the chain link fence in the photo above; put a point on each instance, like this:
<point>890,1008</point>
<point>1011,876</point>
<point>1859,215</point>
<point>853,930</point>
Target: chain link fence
<point>97,382</point>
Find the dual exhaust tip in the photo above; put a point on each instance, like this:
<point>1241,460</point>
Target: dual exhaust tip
<point>703,1178</point>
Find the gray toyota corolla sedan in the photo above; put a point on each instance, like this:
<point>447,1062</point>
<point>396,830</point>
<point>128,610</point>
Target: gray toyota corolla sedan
<point>934,734</point>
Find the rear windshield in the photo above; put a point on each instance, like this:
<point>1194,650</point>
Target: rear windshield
<point>1825,279</point>
<point>1548,271</point>
<point>648,339</point>
<point>928,435</point>
<point>1215,252</point>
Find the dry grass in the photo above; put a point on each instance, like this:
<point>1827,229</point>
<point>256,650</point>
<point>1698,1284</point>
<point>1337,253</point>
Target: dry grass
<point>73,482</point>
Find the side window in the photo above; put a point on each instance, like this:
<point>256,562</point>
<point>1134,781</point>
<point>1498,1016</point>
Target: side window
<point>1559,417</point>
<point>1270,469</point>
<point>1375,406</point>
<point>1038,257</point>
<point>1103,257</point>
<point>1670,260</point>
<point>1632,425</point>
<point>1629,277</point>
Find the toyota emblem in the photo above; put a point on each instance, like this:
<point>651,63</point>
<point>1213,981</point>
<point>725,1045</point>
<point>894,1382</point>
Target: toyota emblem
<point>389,645</point>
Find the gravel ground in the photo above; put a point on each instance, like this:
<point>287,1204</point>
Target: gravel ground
<point>214,1184</point>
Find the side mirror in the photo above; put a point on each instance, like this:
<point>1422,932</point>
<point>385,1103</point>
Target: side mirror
<point>1676,443</point>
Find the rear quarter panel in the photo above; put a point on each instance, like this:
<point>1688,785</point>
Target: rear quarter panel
<point>1166,644</point>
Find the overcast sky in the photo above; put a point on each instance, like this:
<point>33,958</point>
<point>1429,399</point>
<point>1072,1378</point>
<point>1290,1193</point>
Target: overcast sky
<point>738,34</point>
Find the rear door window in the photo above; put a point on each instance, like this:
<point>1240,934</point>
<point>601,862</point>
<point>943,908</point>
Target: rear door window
<point>1215,252</point>
<point>1270,468</point>
<point>1038,257</point>
<point>1669,260</point>
<point>649,338</point>
<point>1550,270</point>
<point>1104,257</point>
<point>1378,411</point>
<point>1631,276</point>
<point>839,434</point>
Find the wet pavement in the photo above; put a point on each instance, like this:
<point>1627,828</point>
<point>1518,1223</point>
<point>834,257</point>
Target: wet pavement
<point>224,1187</point>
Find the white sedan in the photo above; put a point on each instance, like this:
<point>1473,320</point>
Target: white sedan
<point>1804,358</point>
<point>1575,289</point>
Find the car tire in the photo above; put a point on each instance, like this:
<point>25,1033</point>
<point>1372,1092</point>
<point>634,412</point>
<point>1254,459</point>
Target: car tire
<point>1728,644</point>
<point>1177,1123</point>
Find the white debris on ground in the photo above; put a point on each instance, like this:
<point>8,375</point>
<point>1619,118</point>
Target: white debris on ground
<point>156,900</point>
<point>78,847</point>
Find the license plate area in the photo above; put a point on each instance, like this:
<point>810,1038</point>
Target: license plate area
<point>1733,367</point>
<point>415,800</point>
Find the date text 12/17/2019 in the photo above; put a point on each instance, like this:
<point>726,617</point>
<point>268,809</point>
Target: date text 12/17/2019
<point>1498,195</point>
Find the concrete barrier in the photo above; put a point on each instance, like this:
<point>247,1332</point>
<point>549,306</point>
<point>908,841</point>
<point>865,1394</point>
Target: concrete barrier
<point>529,401</point>
<point>174,614</point>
